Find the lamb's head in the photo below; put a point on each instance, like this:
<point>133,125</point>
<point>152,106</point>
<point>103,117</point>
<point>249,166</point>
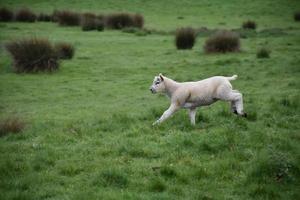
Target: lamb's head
<point>158,85</point>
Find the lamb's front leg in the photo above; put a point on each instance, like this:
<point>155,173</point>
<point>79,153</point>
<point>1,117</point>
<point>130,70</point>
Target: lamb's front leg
<point>192,114</point>
<point>173,108</point>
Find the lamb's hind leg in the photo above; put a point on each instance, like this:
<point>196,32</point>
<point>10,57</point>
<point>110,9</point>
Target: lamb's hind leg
<point>236,99</point>
<point>233,107</point>
<point>237,103</point>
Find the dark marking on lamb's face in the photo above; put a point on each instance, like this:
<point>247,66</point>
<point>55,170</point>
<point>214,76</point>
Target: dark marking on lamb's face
<point>157,85</point>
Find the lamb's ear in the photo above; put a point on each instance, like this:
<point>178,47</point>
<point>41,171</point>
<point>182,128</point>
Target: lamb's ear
<point>161,77</point>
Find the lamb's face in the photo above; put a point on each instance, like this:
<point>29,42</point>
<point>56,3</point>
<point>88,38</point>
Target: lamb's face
<point>158,85</point>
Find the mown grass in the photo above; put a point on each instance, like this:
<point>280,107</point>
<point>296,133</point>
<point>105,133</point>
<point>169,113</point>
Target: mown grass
<point>88,126</point>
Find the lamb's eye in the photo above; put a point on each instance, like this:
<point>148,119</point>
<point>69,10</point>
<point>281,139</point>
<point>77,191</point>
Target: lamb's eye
<point>156,83</point>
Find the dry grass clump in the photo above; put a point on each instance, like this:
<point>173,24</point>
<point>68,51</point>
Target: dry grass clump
<point>6,14</point>
<point>297,16</point>
<point>222,42</point>
<point>64,50</point>
<point>99,25</point>
<point>54,15</point>
<point>263,53</point>
<point>185,38</point>
<point>122,20</point>
<point>249,25</point>
<point>66,18</point>
<point>32,55</point>
<point>11,125</point>
<point>88,21</point>
<point>44,17</point>
<point>25,15</point>
<point>138,20</point>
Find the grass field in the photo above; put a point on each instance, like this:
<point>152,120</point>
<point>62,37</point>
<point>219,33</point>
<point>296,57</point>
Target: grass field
<point>89,132</point>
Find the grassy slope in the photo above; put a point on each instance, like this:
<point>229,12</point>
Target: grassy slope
<point>89,128</point>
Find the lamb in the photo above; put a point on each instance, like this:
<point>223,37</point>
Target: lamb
<point>190,95</point>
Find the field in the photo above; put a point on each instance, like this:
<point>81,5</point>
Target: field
<point>89,132</point>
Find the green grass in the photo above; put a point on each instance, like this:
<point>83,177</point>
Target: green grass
<point>88,128</point>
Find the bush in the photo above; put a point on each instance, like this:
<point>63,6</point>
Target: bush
<point>297,16</point>
<point>122,20</point>
<point>88,22</point>
<point>185,38</point>
<point>44,17</point>
<point>249,25</point>
<point>118,20</point>
<point>222,41</point>
<point>263,53</point>
<point>33,55</point>
<point>11,125</point>
<point>6,15</point>
<point>25,15</point>
<point>99,25</point>
<point>64,50</point>
<point>138,20</point>
<point>67,18</point>
<point>54,16</point>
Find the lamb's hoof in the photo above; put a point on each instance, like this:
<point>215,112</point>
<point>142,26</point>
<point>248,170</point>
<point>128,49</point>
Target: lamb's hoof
<point>244,115</point>
<point>235,112</point>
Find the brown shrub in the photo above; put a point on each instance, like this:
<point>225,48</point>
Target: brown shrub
<point>222,42</point>
<point>25,15</point>
<point>44,17</point>
<point>297,16</point>
<point>122,20</point>
<point>11,125</point>
<point>138,20</point>
<point>249,25</point>
<point>185,38</point>
<point>67,18</point>
<point>54,16</point>
<point>263,53</point>
<point>64,50</point>
<point>88,21</point>
<point>6,15</point>
<point>32,55</point>
<point>99,25</point>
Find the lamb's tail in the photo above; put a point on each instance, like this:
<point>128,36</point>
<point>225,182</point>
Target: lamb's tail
<point>232,78</point>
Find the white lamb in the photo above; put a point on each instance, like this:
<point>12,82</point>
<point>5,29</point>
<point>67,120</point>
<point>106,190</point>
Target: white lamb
<point>191,95</point>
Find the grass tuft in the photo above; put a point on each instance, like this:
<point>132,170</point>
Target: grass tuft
<point>67,18</point>
<point>249,25</point>
<point>88,21</point>
<point>297,16</point>
<point>6,14</point>
<point>42,17</point>
<point>64,50</point>
<point>11,125</point>
<point>138,20</point>
<point>222,42</point>
<point>32,55</point>
<point>185,38</point>
<point>54,15</point>
<point>263,53</point>
<point>99,25</point>
<point>25,15</point>
<point>122,20</point>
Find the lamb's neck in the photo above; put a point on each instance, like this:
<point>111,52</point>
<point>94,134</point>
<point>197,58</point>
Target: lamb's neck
<point>171,86</point>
